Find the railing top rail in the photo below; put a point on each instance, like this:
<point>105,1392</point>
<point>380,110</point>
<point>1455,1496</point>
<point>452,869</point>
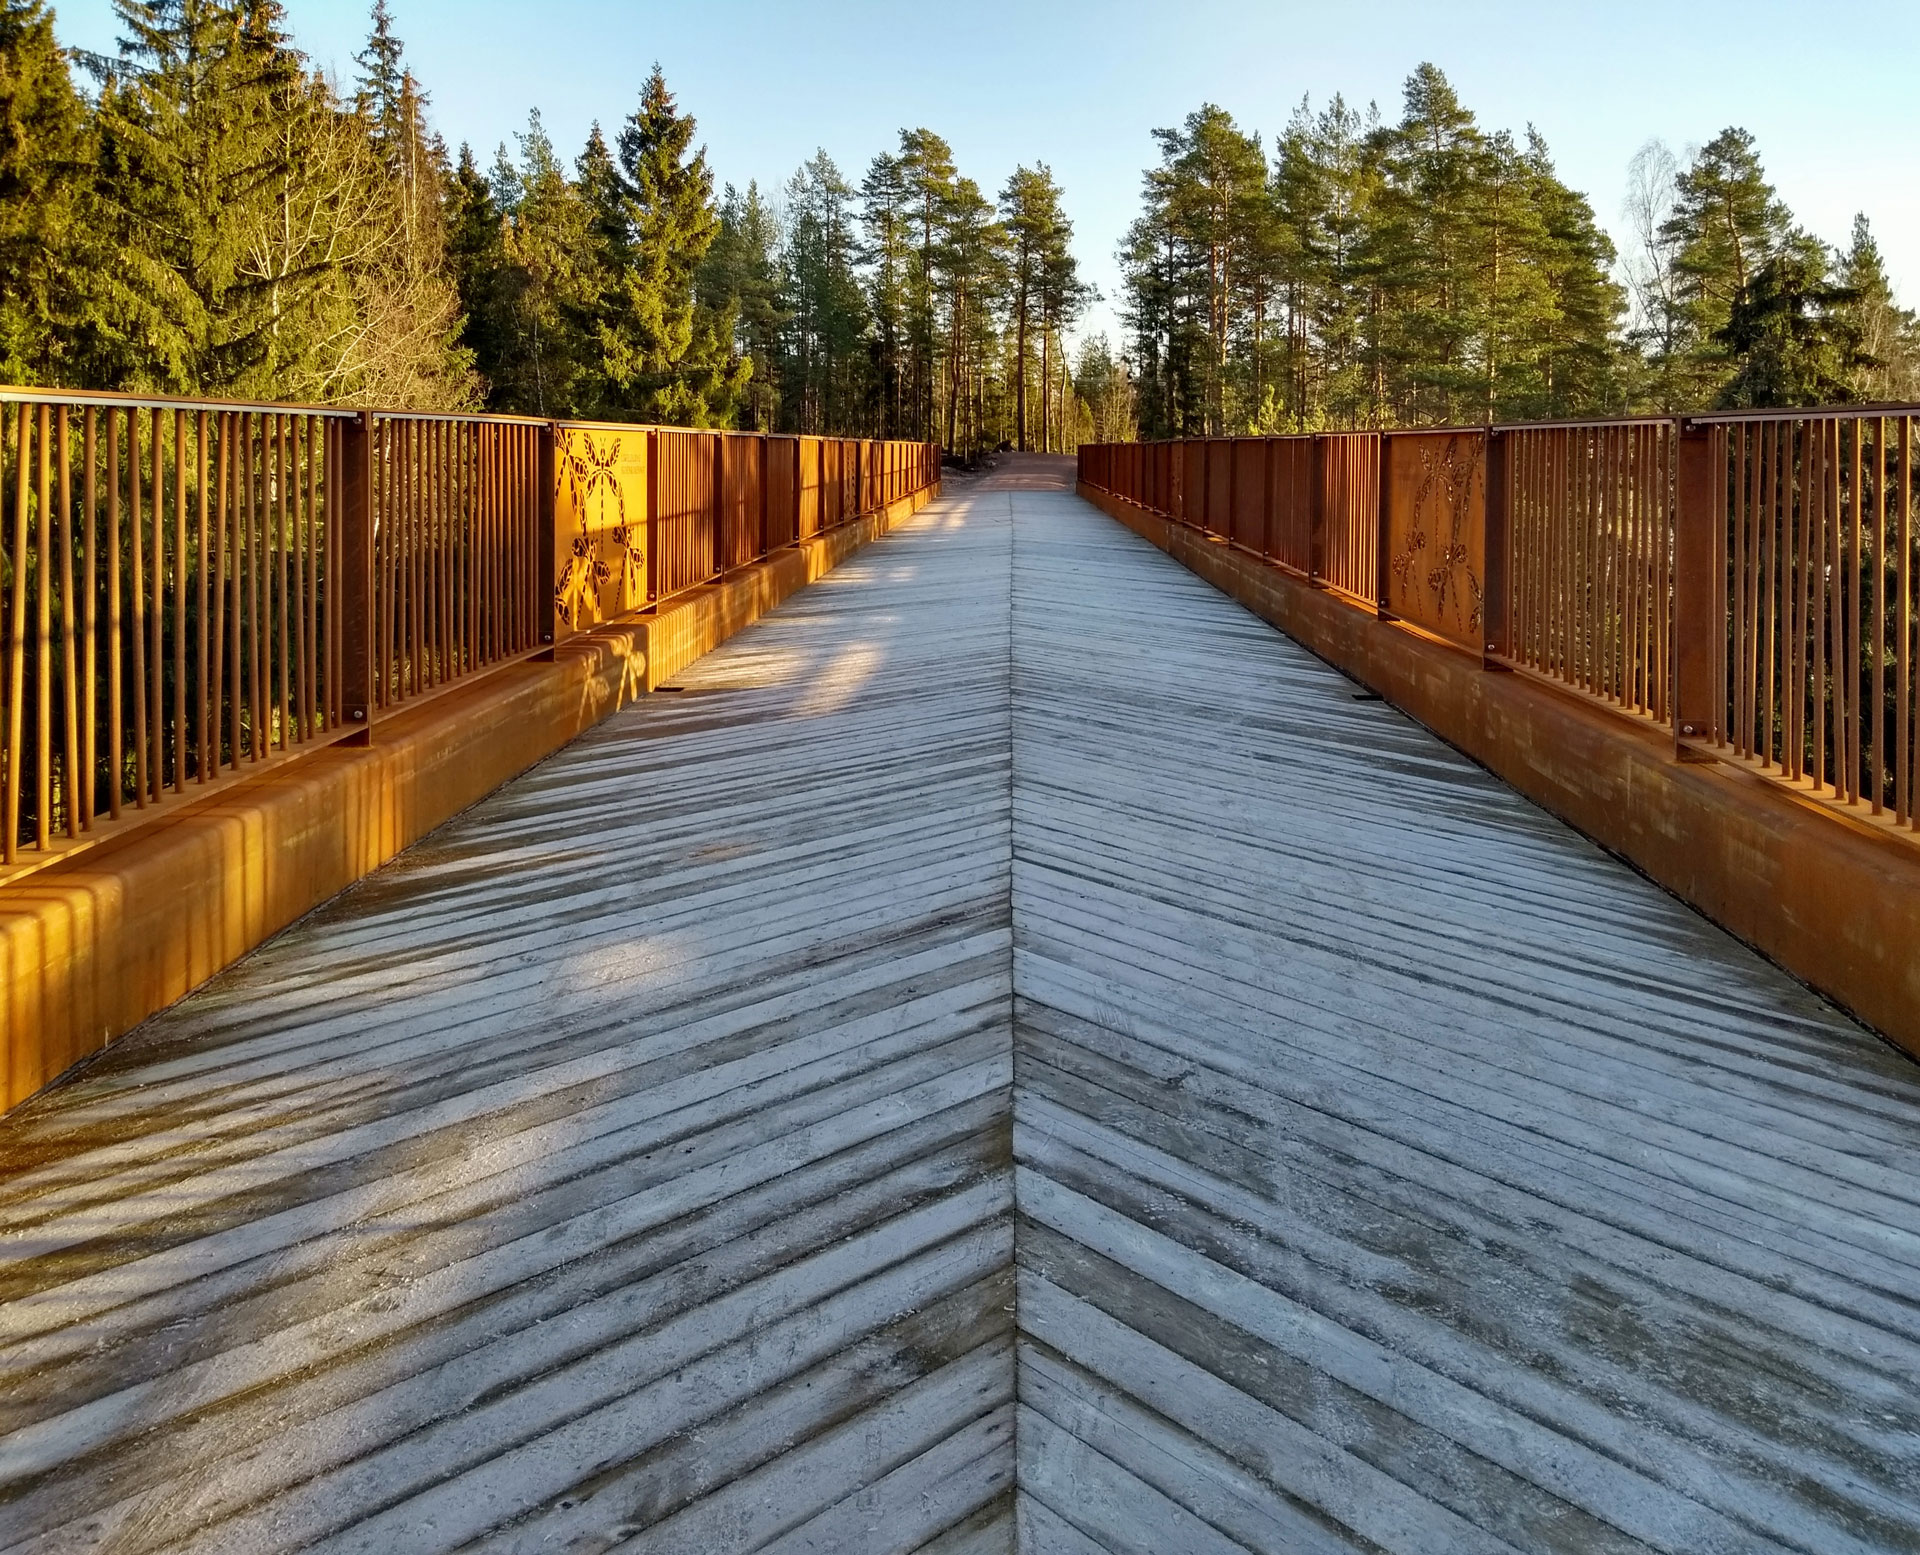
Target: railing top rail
<point>652,426</point>
<point>1574,424</point>
<point>1871,412</point>
<point>12,394</point>
<point>464,416</point>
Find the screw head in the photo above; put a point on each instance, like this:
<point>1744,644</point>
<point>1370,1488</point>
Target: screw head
<point>359,715</point>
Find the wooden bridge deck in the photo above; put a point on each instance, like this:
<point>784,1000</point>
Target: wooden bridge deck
<point>1012,1044</point>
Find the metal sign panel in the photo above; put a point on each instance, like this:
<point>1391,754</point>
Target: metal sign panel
<point>1436,532</point>
<point>600,523</point>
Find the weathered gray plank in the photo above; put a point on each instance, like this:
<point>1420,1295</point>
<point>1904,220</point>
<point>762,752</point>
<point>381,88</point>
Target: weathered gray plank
<point>631,1152</point>
<point>633,1164</point>
<point>1355,1095</point>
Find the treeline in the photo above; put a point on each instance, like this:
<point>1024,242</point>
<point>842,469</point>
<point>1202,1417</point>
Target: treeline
<point>1430,271</point>
<point>216,217</point>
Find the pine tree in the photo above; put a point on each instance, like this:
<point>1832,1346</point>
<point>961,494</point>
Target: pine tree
<point>823,357</point>
<point>46,324</point>
<point>887,252</point>
<point>1030,208</point>
<point>1726,224</point>
<point>927,170</point>
<point>740,276</point>
<point>1063,298</point>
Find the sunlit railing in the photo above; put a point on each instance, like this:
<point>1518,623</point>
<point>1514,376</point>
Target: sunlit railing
<point>191,591</point>
<point>1745,580</point>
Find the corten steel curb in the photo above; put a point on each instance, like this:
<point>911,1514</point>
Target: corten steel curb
<point>92,947</point>
<point>1831,902</point>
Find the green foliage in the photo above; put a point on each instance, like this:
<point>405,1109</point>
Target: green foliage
<point>1423,272</point>
<point>1792,335</point>
<point>218,218</point>
<point>741,270</point>
<point>663,356</point>
<point>46,324</point>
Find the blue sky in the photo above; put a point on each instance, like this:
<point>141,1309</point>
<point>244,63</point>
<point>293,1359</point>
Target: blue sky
<point>1828,91</point>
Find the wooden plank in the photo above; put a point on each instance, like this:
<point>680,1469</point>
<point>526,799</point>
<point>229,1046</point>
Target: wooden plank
<point>646,1159</point>
<point>1533,1208</point>
<point>649,1122</point>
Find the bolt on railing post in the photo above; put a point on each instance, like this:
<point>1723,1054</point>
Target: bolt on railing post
<point>546,582</point>
<point>354,586</point>
<point>1697,617</point>
<point>1496,556</point>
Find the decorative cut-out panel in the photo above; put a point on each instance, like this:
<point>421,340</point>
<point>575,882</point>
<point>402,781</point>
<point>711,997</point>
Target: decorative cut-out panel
<point>1436,532</point>
<point>599,523</point>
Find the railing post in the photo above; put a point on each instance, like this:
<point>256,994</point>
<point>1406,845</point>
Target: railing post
<point>354,585</point>
<point>1697,619</point>
<point>546,581</point>
<point>1496,555</point>
<point>1317,513</point>
<point>653,516</point>
<point>766,470</point>
<point>1383,531</point>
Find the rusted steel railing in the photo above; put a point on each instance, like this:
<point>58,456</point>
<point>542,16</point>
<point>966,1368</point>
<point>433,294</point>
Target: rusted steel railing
<point>457,518</point>
<point>1745,580</point>
<point>166,618</point>
<point>1815,526</point>
<point>193,591</point>
<point>1590,535</point>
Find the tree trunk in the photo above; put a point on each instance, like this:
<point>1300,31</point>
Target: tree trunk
<point>1046,390</point>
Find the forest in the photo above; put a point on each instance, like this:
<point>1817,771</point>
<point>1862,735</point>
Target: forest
<point>1429,272</point>
<point>203,212</point>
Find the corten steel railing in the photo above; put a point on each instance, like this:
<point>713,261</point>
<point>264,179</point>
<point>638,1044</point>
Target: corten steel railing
<point>167,620</point>
<point>192,591</point>
<point>1745,580</point>
<point>1590,586</point>
<point>457,515</point>
<point>1814,677</point>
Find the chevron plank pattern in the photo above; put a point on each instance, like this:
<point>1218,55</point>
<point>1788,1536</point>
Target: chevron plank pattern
<point>1009,1052</point>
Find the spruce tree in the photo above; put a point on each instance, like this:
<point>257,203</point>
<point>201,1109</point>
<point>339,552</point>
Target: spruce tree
<point>47,327</point>
<point>201,131</point>
<point>1791,334</point>
<point>476,259</point>
<point>552,286</point>
<point>887,252</point>
<point>663,357</point>
<point>1888,335</point>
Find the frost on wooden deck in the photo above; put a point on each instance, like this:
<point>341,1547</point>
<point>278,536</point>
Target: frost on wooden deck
<point>1012,1049</point>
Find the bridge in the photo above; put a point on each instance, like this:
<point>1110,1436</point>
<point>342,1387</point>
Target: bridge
<point>1007,1049</point>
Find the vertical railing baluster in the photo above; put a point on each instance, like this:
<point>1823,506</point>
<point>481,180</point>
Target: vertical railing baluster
<point>90,650</point>
<point>70,770</point>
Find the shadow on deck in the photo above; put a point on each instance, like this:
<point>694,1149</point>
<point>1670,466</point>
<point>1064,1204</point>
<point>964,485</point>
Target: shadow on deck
<point>1008,1041</point>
